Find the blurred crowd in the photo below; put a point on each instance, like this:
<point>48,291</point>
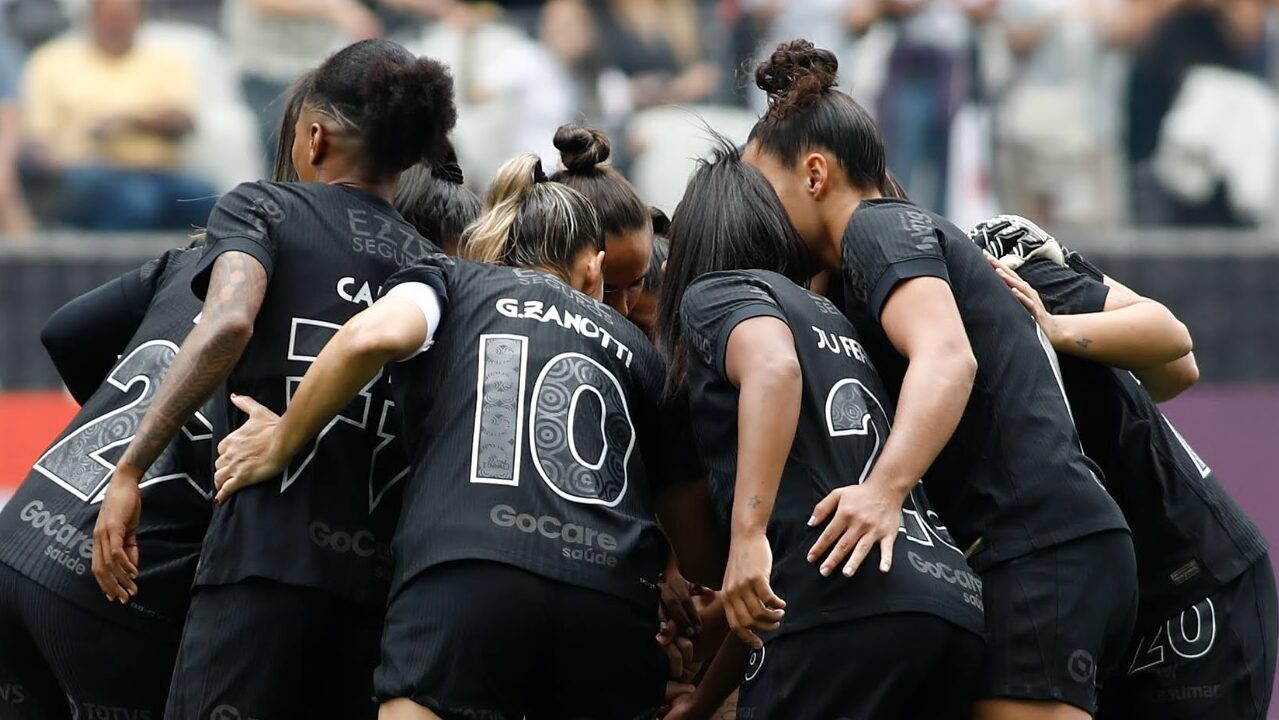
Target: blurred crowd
<point>133,114</point>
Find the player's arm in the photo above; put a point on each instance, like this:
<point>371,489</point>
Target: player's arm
<point>394,328</point>
<point>1163,381</point>
<point>722,677</point>
<point>760,362</point>
<point>237,284</point>
<point>86,336</point>
<point>922,322</point>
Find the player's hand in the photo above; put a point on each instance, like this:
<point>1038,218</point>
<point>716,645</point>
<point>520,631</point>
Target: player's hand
<point>749,601</point>
<point>861,517</point>
<point>1029,299</point>
<point>250,454</point>
<point>679,612</point>
<point>115,538</point>
<point>681,660</point>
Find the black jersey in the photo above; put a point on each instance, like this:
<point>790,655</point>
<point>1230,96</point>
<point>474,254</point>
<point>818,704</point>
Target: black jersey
<point>1012,479</point>
<point>844,422</point>
<point>1190,536</point>
<point>326,521</point>
<point>534,433</point>
<point>46,529</point>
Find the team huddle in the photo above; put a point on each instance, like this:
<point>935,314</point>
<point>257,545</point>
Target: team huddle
<point>373,447</point>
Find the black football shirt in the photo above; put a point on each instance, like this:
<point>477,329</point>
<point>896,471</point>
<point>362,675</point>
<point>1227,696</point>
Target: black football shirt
<point>844,422</point>
<point>46,529</point>
<point>326,521</point>
<point>1013,478</point>
<point>534,428</point>
<point>1190,536</point>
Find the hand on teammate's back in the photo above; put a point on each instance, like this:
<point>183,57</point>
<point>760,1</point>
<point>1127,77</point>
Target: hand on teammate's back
<point>249,455</point>
<point>1028,297</point>
<point>749,601</point>
<point>115,538</point>
<point>861,517</point>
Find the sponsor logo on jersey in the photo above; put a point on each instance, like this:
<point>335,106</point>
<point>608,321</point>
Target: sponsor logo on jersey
<point>580,324</point>
<point>961,578</point>
<point>94,711</point>
<point>70,546</point>
<point>378,235</point>
<point>1081,666</point>
<point>229,712</point>
<point>579,542</point>
<point>13,693</point>
<point>361,543</point>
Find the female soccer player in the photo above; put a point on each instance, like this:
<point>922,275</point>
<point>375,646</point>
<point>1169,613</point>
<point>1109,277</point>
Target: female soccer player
<point>788,409</point>
<point>628,228</point>
<point>528,551</point>
<point>1206,627</point>
<point>979,405</point>
<point>644,309</point>
<point>296,570</point>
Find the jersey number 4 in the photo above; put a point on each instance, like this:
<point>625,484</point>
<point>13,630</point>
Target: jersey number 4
<point>82,462</point>
<point>572,392</point>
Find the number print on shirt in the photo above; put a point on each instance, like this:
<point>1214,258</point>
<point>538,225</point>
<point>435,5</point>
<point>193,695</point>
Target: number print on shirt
<point>853,410</point>
<point>572,396</point>
<point>82,462</point>
<point>387,464</point>
<point>1190,635</point>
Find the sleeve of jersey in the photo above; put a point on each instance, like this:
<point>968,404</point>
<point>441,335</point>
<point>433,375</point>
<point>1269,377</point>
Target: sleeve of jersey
<point>432,271</point>
<point>886,253</point>
<point>240,222</point>
<point>1064,290</point>
<point>716,304</point>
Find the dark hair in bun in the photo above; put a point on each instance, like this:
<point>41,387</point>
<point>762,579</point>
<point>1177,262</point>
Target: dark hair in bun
<point>806,113</point>
<point>400,105</point>
<point>584,152</point>
<point>433,199</point>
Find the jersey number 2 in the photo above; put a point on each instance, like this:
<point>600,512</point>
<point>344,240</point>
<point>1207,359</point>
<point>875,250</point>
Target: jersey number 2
<point>572,392</point>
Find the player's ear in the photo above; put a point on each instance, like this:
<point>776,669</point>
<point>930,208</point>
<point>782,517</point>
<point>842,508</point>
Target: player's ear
<point>817,171</point>
<point>318,144</point>
<point>593,278</point>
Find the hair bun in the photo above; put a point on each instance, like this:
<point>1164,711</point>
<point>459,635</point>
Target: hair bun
<point>412,100</point>
<point>795,76</point>
<point>449,172</point>
<point>582,148</point>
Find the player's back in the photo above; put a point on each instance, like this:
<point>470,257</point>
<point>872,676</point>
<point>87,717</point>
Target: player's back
<point>1190,536</point>
<point>46,529</point>
<point>845,419</point>
<point>1012,479</point>
<point>532,427</point>
<point>326,521</point>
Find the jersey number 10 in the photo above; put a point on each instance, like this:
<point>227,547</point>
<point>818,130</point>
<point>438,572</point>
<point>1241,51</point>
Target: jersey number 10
<point>583,467</point>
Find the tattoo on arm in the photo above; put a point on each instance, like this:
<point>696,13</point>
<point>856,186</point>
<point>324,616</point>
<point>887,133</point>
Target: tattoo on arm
<point>753,501</point>
<point>237,285</point>
<point>1083,342</point>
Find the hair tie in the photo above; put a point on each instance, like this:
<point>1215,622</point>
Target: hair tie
<point>538,175</point>
<point>449,172</point>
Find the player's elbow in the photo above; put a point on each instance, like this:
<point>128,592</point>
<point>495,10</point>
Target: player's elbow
<point>365,337</point>
<point>778,371</point>
<point>955,361</point>
<point>233,327</point>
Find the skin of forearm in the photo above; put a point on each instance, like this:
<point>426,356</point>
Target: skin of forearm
<point>1167,381</point>
<point>1139,336</point>
<point>236,287</point>
<point>934,394</point>
<point>770,389</point>
<point>722,677</point>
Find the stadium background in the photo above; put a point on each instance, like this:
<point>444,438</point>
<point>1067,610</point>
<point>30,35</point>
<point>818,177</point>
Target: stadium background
<point>1143,132</point>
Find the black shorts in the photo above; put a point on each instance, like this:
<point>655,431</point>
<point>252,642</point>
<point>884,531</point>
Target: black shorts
<point>60,662</point>
<point>263,650</point>
<point>1215,660</point>
<point>475,639</point>
<point>1058,620</point>
<point>902,666</point>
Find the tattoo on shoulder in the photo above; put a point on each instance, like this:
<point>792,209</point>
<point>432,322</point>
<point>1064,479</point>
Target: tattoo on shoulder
<point>1083,342</point>
<point>753,501</point>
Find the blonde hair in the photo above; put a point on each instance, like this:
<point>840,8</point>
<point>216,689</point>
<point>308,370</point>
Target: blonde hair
<point>530,221</point>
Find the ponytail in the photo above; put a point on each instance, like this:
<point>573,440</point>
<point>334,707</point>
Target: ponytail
<point>530,221</point>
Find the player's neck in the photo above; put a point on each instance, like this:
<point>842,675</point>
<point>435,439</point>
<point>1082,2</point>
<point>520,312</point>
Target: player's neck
<point>339,175</point>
